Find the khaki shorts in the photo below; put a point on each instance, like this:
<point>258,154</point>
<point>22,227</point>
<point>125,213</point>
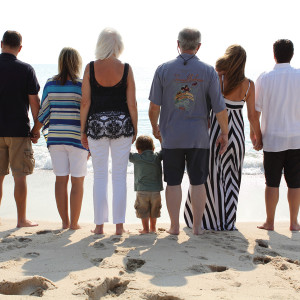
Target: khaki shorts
<point>147,204</point>
<point>16,153</point>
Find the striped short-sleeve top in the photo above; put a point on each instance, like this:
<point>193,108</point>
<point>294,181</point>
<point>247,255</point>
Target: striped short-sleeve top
<point>60,113</point>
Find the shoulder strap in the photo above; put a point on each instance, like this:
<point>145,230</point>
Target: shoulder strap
<point>125,74</point>
<point>247,91</point>
<point>92,72</point>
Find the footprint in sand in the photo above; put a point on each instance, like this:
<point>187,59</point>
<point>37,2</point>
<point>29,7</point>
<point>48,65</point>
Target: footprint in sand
<point>261,260</point>
<point>32,286</point>
<point>133,264</point>
<point>207,268</point>
<point>98,288</point>
<point>99,245</point>
<point>32,254</point>
<point>262,243</point>
<point>268,252</point>
<point>159,296</point>
<point>44,232</point>
<point>24,240</point>
<point>96,261</point>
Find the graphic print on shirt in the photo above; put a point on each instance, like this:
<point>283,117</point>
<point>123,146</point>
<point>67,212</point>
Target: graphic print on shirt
<point>186,90</point>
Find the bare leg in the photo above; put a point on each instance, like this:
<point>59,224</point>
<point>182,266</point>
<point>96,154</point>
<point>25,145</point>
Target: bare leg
<point>198,199</point>
<point>173,199</point>
<point>1,187</point>
<point>98,229</point>
<point>76,201</point>
<point>20,194</point>
<point>271,199</point>
<point>294,203</point>
<point>152,224</point>
<point>120,229</point>
<point>145,223</point>
<point>61,195</point>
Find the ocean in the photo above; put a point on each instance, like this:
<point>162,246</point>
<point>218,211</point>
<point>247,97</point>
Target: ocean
<point>143,79</point>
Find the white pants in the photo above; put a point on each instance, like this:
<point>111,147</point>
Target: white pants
<point>120,149</point>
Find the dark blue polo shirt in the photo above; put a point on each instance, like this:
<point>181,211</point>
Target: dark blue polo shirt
<point>17,81</point>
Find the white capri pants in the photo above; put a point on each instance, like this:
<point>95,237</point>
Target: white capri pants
<point>120,149</point>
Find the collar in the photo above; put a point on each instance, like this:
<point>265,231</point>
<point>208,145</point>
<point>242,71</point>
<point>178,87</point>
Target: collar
<point>8,56</point>
<point>187,56</point>
<point>281,66</point>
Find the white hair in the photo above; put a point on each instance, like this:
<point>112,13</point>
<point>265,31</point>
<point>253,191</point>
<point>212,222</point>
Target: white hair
<point>189,38</point>
<point>109,43</point>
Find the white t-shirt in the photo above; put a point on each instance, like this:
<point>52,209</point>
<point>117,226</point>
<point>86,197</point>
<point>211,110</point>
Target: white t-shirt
<point>277,96</point>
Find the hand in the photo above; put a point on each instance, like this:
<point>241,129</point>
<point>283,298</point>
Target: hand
<point>256,141</point>
<point>133,139</point>
<point>34,136</point>
<point>222,140</point>
<point>84,141</point>
<point>156,132</point>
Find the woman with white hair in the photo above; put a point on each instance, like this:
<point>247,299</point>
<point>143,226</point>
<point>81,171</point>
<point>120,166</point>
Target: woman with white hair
<point>108,121</point>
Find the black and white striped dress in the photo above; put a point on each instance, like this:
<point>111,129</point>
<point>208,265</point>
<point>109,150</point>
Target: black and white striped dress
<point>225,172</point>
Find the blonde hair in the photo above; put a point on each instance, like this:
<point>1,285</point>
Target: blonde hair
<point>109,43</point>
<point>232,63</point>
<point>69,64</point>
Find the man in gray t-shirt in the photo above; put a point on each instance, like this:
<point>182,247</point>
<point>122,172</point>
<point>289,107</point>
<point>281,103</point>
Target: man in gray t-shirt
<point>180,93</point>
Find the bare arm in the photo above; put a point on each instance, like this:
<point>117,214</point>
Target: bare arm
<point>222,140</point>
<point>85,105</point>
<point>253,117</point>
<point>34,103</point>
<point>154,111</point>
<point>131,102</point>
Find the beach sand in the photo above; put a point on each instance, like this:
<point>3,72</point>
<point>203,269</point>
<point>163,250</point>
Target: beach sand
<point>59,264</point>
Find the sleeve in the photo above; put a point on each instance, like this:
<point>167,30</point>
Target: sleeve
<point>214,94</point>
<point>258,94</point>
<point>132,157</point>
<point>33,86</point>
<point>156,90</point>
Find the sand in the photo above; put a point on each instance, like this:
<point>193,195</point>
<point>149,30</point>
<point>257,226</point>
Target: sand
<point>51,263</point>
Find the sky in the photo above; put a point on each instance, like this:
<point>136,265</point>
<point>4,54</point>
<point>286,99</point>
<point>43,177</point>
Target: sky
<point>150,28</point>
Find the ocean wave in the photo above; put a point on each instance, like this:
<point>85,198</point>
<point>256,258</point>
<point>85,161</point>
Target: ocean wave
<point>252,163</point>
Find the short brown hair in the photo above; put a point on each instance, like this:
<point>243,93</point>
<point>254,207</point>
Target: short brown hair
<point>12,39</point>
<point>69,64</point>
<point>144,142</point>
<point>283,51</point>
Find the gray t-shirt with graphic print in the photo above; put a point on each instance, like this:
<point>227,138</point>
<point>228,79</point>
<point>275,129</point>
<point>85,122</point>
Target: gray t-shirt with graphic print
<point>186,93</point>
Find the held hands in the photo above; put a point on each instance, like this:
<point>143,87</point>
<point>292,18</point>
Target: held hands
<point>84,141</point>
<point>222,140</point>
<point>256,141</point>
<point>34,136</point>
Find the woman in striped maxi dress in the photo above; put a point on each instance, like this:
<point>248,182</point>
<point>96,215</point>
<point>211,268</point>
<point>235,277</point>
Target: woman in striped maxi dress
<point>225,171</point>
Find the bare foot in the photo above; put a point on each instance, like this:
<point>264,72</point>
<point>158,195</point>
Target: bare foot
<point>295,227</point>
<point>27,223</point>
<point>65,225</point>
<point>153,230</point>
<point>120,230</point>
<point>143,231</point>
<point>98,229</point>
<point>173,231</point>
<point>198,231</point>
<point>75,227</point>
<point>266,226</point>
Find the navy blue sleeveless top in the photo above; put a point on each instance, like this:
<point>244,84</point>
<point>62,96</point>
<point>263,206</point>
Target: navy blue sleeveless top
<point>108,114</point>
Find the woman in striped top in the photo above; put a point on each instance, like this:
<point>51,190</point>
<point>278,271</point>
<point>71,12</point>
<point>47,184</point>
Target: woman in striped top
<point>59,116</point>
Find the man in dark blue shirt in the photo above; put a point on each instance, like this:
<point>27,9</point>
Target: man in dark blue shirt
<point>18,90</point>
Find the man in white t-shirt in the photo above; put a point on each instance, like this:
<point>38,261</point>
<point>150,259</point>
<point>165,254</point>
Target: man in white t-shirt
<point>278,99</point>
